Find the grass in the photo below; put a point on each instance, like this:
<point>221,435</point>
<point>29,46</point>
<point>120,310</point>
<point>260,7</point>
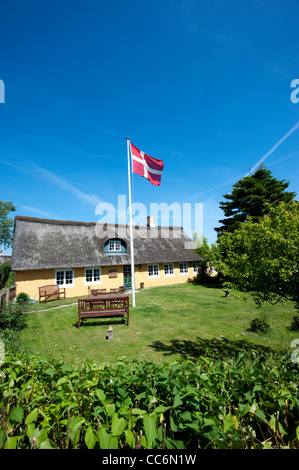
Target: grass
<point>173,322</point>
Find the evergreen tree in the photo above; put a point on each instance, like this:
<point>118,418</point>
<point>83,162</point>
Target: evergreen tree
<point>250,197</point>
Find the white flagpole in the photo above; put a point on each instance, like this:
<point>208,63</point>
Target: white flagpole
<point>131,230</point>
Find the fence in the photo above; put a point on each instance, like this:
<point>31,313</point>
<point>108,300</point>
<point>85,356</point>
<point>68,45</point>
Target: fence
<point>8,295</point>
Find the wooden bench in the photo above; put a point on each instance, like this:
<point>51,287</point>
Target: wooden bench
<point>104,291</point>
<point>51,291</point>
<point>98,291</point>
<point>110,305</point>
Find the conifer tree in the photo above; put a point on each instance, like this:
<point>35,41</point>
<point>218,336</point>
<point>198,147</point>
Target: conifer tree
<point>250,197</point>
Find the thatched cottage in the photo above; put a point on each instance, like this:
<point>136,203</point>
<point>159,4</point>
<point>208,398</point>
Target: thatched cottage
<point>81,256</point>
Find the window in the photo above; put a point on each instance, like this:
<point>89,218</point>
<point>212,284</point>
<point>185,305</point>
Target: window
<point>184,268</point>
<point>195,267</point>
<point>168,269</point>
<point>212,270</point>
<point>65,277</point>
<point>153,270</point>
<point>92,275</point>
<point>114,245</point>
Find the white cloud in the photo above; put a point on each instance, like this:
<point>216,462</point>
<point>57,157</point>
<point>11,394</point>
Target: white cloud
<point>37,211</point>
<point>38,172</point>
<point>61,182</point>
<point>290,132</point>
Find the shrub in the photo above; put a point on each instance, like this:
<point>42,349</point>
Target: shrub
<point>205,279</point>
<point>258,325</point>
<point>5,270</point>
<point>13,317</point>
<point>23,298</point>
<point>247,402</point>
<point>295,323</point>
<point>11,339</point>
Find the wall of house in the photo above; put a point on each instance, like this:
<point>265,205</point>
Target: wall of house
<point>30,281</point>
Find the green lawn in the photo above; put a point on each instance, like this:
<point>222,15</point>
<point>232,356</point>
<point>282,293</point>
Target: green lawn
<point>167,323</point>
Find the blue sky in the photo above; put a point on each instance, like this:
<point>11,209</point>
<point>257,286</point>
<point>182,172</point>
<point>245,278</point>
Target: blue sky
<point>204,85</point>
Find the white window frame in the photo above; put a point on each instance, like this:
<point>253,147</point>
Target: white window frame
<point>65,284</point>
<point>195,267</point>
<point>151,268</point>
<point>114,245</point>
<point>183,266</point>
<point>170,267</point>
<point>93,281</point>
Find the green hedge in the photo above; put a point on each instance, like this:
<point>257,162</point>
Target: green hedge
<point>246,402</point>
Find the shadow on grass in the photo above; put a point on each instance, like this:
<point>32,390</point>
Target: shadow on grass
<point>215,348</point>
<point>207,281</point>
<point>101,322</point>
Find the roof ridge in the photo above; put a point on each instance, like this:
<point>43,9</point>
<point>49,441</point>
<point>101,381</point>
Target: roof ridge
<point>72,222</point>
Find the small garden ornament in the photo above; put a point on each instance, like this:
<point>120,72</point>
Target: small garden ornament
<point>110,333</point>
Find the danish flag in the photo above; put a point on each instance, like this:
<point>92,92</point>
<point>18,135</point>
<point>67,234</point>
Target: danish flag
<point>146,166</point>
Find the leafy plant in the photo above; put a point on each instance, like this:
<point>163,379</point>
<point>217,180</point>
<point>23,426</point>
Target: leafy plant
<point>257,324</point>
<point>24,301</point>
<point>13,317</point>
<point>130,404</point>
<point>5,270</point>
<point>295,323</point>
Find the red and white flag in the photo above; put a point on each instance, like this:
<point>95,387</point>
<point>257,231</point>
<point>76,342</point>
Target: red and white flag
<point>146,166</point>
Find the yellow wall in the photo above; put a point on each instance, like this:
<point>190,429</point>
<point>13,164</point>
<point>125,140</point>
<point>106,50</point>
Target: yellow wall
<point>30,281</point>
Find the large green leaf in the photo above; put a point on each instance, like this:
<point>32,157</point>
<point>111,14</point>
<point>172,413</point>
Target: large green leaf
<point>75,424</point>
<point>32,416</point>
<point>106,440</point>
<point>100,394</point>
<point>138,411</point>
<point>230,422</point>
<point>130,439</point>
<point>11,442</point>
<point>62,380</point>
<point>34,437</point>
<point>48,444</point>
<point>90,438</point>
<point>17,414</point>
<point>109,406</point>
<point>49,371</point>
<point>150,429</point>
<point>118,425</point>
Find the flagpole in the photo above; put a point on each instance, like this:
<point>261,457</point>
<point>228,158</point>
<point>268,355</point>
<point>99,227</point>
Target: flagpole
<point>131,229</point>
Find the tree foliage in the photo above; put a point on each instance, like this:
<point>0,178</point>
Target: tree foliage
<point>250,197</point>
<point>5,270</point>
<point>263,257</point>
<point>209,254</point>
<point>6,224</point>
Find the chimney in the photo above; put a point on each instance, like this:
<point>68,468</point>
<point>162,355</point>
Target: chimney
<point>151,221</point>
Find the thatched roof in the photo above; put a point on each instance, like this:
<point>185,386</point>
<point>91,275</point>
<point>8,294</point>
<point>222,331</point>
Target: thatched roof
<point>47,244</point>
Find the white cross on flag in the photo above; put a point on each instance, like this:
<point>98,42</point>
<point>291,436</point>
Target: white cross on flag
<point>146,166</point>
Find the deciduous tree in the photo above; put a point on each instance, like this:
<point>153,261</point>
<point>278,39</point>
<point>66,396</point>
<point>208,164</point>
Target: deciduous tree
<point>263,257</point>
<point>6,224</point>
<point>209,254</point>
